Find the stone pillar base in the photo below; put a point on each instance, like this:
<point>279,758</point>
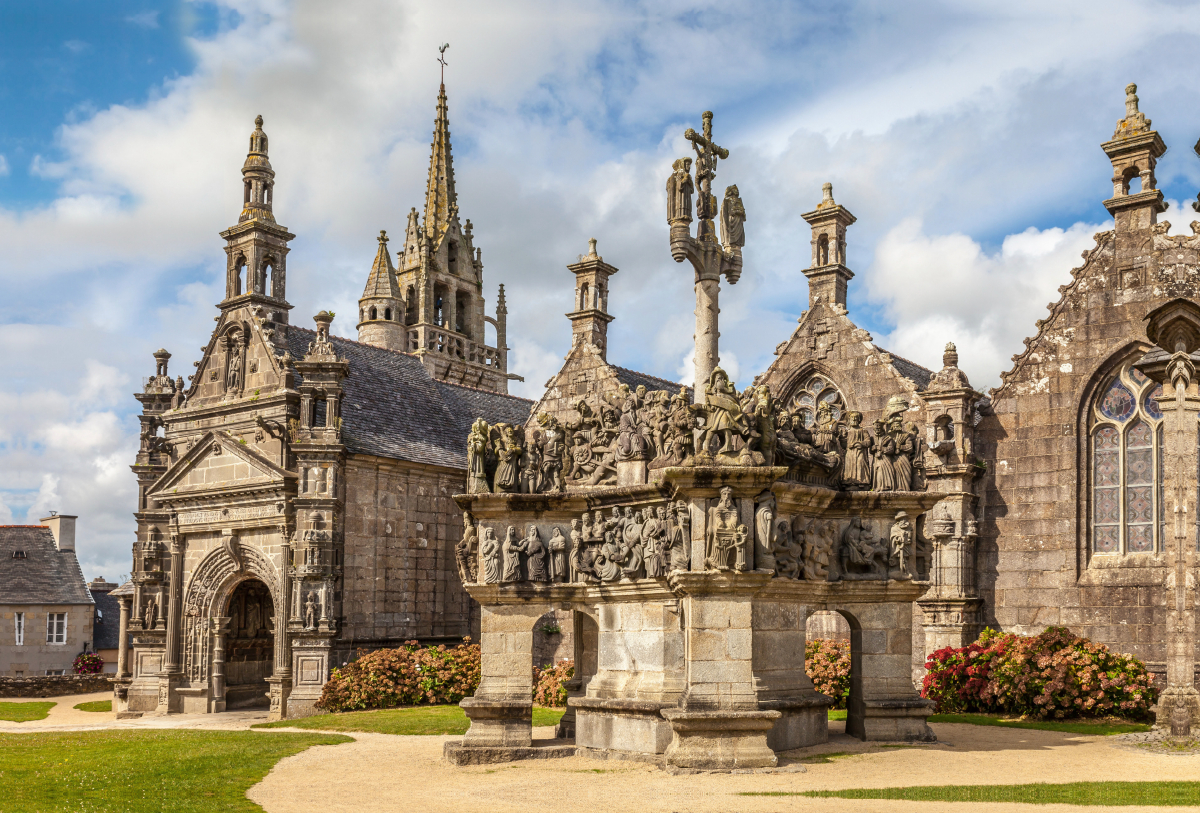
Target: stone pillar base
<point>802,722</point>
<point>281,688</point>
<point>1173,696</point>
<point>456,753</point>
<point>193,700</point>
<point>620,727</point>
<point>498,723</point>
<point>720,740</point>
<point>900,720</point>
<point>169,700</point>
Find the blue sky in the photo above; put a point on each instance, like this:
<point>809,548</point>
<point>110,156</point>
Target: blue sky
<point>964,137</point>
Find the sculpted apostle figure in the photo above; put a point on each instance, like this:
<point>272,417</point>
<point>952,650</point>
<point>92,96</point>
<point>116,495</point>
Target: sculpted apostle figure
<point>489,552</point>
<point>464,551</point>
<point>856,474</point>
<point>883,476</point>
<point>723,412</point>
<point>679,192</point>
<point>535,555</point>
<point>477,482</point>
<point>733,218</point>
<point>511,550</point>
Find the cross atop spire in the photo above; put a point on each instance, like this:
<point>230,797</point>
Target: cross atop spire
<point>441,202</point>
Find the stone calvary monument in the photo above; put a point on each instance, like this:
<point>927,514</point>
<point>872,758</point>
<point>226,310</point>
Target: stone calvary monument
<point>692,537</point>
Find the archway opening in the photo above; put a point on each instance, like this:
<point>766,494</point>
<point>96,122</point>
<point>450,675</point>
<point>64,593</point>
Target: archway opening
<point>250,651</point>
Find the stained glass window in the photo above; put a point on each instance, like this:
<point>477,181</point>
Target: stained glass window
<point>817,390</point>
<point>1127,509</point>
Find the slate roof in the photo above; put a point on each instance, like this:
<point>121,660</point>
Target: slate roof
<point>107,627</point>
<point>633,378</point>
<point>393,407</point>
<point>911,370</point>
<point>45,576</point>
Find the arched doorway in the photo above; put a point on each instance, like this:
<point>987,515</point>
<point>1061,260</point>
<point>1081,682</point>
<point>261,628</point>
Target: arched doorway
<point>250,649</point>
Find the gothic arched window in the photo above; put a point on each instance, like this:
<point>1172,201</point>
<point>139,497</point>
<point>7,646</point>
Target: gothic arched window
<point>817,389</point>
<point>1126,465</point>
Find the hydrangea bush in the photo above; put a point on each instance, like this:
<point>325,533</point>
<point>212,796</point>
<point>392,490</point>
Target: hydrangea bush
<point>88,663</point>
<point>409,676</point>
<point>827,662</point>
<point>549,683</point>
<point>1054,674</point>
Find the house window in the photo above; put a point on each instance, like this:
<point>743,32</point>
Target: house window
<point>20,628</point>
<point>56,671</point>
<point>56,628</point>
<point>1126,466</point>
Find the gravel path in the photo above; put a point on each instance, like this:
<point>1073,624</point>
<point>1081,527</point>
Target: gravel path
<point>64,717</point>
<point>379,772</point>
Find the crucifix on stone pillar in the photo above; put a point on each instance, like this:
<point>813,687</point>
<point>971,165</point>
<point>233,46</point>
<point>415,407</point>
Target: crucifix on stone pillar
<point>708,257</point>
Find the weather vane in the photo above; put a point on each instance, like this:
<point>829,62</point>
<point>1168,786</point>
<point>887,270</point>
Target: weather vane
<point>442,59</point>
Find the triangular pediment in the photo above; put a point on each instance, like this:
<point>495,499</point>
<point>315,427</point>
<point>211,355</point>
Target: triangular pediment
<point>218,464</point>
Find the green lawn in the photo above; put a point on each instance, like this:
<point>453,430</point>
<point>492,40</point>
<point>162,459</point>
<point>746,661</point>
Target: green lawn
<point>837,714</point>
<point>24,712</point>
<point>1096,727</point>
<point>416,720</point>
<point>1133,794</point>
<point>95,705</point>
<point>134,771</point>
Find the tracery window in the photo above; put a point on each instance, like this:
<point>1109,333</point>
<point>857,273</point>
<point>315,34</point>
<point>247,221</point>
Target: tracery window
<point>1126,466</point>
<point>817,389</point>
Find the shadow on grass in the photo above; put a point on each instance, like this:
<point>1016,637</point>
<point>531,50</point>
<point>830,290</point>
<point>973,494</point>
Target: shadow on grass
<point>419,720</point>
<point>1139,794</point>
<point>95,705</point>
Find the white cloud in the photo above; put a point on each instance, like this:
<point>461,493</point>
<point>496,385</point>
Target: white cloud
<point>144,19</point>
<point>947,288</point>
<point>3,165</point>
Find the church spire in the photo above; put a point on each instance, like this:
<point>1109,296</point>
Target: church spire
<point>441,202</point>
<point>258,179</point>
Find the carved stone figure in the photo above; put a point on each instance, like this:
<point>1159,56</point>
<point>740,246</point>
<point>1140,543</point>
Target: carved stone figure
<point>856,471</point>
<point>679,192</point>
<point>906,446</point>
<point>310,611</point>
<point>860,556</point>
<point>553,451</point>
<point>764,531</point>
<point>579,570</point>
<point>535,556</point>
<point>511,552</point>
<point>531,465</point>
<point>733,219</point>
<point>489,552</point>
<point>477,442</point>
<point>819,538</point>
<point>680,537</point>
<point>900,547</point>
<point>787,560</point>
<point>633,438</point>
<point>723,415</point>
<point>728,539</point>
<point>149,614</point>
<point>465,551</point>
<point>883,475</point>
<point>508,452</point>
<point>558,555</point>
<point>233,380</point>
<point>607,565</point>
<point>764,419</point>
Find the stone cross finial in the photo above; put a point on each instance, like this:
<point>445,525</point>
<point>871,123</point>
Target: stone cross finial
<point>592,247</point>
<point>1131,100</point>
<point>383,238</point>
<point>258,122</point>
<point>827,194</point>
<point>950,356</point>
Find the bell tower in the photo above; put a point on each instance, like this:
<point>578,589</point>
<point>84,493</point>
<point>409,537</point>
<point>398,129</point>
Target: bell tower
<point>257,247</point>
<point>590,318</point>
<point>828,275</point>
<point>381,308</point>
<point>1134,150</point>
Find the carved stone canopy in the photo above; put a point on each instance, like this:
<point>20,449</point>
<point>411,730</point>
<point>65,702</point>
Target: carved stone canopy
<point>1174,328</point>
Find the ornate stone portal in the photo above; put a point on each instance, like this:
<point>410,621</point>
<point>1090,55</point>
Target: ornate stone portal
<point>693,541</point>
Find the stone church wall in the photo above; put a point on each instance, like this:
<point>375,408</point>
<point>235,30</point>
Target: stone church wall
<point>401,580</point>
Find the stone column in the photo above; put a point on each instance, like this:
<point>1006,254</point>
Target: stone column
<point>123,643</point>
<point>220,629</point>
<point>169,678</point>
<point>281,677</point>
<point>501,711</point>
<point>707,334</point>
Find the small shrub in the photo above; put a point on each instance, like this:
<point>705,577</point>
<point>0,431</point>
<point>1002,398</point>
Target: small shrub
<point>1054,674</point>
<point>88,663</point>
<point>827,662</point>
<point>409,676</point>
<point>549,683</point>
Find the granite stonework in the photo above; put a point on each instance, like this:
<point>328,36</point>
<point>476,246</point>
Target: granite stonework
<point>294,501</point>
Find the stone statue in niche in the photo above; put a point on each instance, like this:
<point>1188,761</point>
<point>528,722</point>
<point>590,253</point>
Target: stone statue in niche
<point>489,552</point>
<point>680,535</point>
<point>856,472</point>
<point>477,443</point>
<point>787,558</point>
<point>310,611</point>
<point>733,219</point>
<point>860,555</point>
<point>150,613</point>
<point>654,531</point>
<point>764,531</point>
<point>511,554</point>
<point>535,555</point>
<point>581,571</point>
<point>728,539</point>
<point>819,542</point>
<point>465,551</point>
<point>233,379</point>
<point>631,545</point>
<point>679,192</point>
<point>900,547</point>
<point>558,556</point>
